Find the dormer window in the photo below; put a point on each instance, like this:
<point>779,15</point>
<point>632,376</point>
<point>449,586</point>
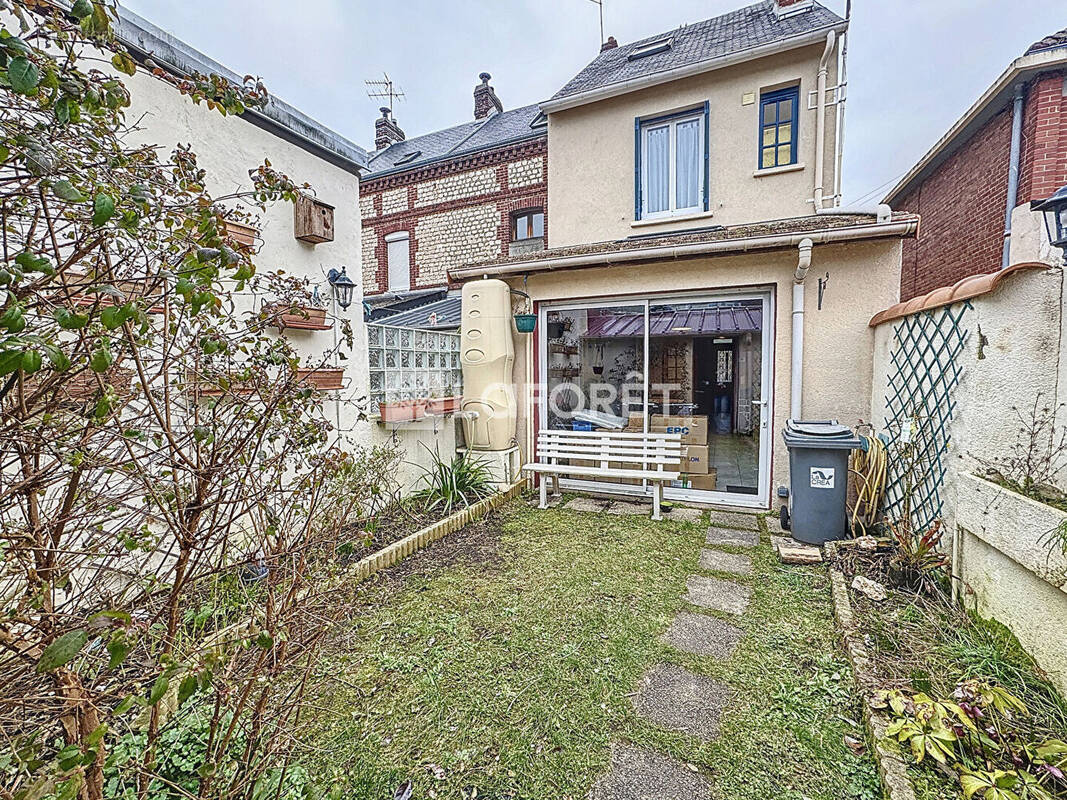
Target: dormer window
<point>651,48</point>
<point>672,165</point>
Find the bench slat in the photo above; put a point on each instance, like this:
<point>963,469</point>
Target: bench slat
<point>562,469</point>
<point>610,435</point>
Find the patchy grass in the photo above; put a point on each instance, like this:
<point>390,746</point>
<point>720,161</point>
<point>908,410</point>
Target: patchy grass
<point>504,660</point>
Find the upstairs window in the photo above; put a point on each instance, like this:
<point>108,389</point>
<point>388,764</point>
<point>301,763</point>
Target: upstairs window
<point>529,224</point>
<point>672,165</point>
<point>398,247</point>
<point>778,127</point>
<point>651,48</point>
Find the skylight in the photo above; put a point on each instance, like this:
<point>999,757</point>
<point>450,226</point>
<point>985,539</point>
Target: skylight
<point>651,48</point>
<point>409,157</point>
<point>539,121</point>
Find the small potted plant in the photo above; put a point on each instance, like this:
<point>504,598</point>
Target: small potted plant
<point>298,305</point>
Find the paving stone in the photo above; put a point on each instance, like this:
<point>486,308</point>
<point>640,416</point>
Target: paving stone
<point>735,519</point>
<point>624,509</point>
<point>587,504</point>
<point>640,774</point>
<point>678,699</point>
<point>680,514</point>
<point>702,635</point>
<point>731,538</point>
<point>733,598</point>
<point>790,551</point>
<point>774,524</point>
<point>717,560</point>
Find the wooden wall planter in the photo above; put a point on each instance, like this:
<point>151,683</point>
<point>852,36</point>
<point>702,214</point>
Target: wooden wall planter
<point>304,318</point>
<point>324,378</point>
<point>312,220</point>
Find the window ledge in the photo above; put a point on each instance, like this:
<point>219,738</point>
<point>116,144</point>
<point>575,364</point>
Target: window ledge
<point>760,173</point>
<point>641,223</point>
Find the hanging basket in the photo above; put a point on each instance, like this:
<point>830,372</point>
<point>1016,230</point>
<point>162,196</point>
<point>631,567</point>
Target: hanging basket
<point>525,323</point>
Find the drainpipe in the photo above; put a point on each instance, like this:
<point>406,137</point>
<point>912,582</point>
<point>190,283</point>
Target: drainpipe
<point>1013,170</point>
<point>796,370</point>
<point>842,96</point>
<point>820,122</point>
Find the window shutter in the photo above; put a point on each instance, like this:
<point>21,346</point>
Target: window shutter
<point>637,169</point>
<point>707,155</point>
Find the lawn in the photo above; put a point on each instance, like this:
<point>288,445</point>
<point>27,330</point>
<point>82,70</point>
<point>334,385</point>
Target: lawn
<point>501,663</point>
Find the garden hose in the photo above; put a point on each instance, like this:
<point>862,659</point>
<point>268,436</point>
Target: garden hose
<point>869,465</point>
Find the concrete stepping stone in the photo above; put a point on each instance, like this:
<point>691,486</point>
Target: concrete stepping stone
<point>718,561</point>
<point>640,774</point>
<point>733,598</point>
<point>679,514</point>
<point>735,519</point>
<point>588,504</point>
<point>732,538</point>
<point>774,524</point>
<point>624,509</point>
<point>676,698</point>
<point>702,635</point>
<point>790,551</point>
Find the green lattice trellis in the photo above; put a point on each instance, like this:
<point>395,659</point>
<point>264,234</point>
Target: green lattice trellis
<point>923,373</point>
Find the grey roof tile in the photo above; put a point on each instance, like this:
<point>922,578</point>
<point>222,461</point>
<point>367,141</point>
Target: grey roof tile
<point>1053,40</point>
<point>448,313</point>
<point>736,31</point>
<point>493,131</point>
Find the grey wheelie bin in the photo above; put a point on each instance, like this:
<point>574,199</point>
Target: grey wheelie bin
<point>818,479</point>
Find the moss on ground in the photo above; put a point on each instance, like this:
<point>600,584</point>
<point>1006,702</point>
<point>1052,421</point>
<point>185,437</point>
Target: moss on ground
<point>508,665</point>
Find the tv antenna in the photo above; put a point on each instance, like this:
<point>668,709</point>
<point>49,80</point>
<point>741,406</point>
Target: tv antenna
<point>600,4</point>
<point>384,89</point>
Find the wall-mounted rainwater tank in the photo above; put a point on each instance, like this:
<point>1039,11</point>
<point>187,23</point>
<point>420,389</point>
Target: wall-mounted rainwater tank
<point>487,353</point>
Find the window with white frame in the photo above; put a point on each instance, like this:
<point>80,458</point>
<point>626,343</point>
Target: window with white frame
<point>398,246</point>
<point>672,169</point>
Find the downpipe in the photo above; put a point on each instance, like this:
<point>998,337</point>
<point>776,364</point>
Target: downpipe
<point>796,370</point>
<point>1013,171</point>
<point>820,122</point>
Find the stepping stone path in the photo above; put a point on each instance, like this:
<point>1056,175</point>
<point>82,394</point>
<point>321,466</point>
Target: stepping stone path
<point>587,504</point>
<point>731,538</point>
<point>640,774</point>
<point>718,595</point>
<point>718,561</point>
<point>622,509</point>
<point>682,514</point>
<point>675,698</point>
<point>734,519</point>
<point>702,635</point>
<point>681,700</point>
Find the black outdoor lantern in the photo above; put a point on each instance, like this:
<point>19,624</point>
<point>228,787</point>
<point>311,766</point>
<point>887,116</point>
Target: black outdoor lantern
<point>342,287</point>
<point>1055,211</point>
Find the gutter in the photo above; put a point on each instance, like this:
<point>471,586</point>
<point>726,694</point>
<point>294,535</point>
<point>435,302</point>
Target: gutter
<point>817,36</point>
<point>853,233</point>
<point>1020,70</point>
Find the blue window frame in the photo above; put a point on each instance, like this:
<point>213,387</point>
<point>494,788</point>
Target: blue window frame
<point>778,112</point>
<point>671,164</point>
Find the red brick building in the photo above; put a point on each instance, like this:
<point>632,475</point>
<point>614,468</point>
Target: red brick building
<point>469,193</point>
<point>960,189</point>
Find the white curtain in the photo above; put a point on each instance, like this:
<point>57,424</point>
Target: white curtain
<point>399,264</point>
<point>657,166</point>
<point>687,165</point>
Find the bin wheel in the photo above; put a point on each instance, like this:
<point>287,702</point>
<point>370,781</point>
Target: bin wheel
<point>783,517</point>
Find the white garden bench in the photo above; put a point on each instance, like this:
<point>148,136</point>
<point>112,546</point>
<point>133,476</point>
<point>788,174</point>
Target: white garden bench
<point>655,457</point>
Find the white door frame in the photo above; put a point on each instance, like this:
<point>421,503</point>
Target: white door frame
<point>759,500</point>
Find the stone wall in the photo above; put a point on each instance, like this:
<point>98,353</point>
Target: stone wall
<point>455,212</point>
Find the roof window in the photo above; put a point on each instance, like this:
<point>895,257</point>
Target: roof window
<point>651,48</point>
<point>409,158</point>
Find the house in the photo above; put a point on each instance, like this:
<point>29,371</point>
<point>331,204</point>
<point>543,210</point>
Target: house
<point>472,192</point>
<point>700,273</point>
<point>974,188</point>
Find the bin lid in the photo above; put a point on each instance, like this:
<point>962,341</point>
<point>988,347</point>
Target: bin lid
<point>820,434</point>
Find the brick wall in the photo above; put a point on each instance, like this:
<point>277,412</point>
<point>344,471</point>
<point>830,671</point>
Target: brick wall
<point>455,212</point>
<point>962,201</point>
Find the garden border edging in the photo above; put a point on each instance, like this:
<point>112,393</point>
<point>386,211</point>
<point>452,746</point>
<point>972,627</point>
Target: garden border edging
<point>896,785</point>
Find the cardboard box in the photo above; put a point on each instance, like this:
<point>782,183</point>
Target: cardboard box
<point>694,429</point>
<point>635,423</point>
<point>705,483</point>
<point>695,460</point>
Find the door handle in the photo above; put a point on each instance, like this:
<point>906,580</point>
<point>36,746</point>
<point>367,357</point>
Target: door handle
<point>762,416</point>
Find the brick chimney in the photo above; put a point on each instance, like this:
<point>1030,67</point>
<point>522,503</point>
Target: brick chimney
<point>610,44</point>
<point>787,8</point>
<point>485,100</point>
<point>386,131</point>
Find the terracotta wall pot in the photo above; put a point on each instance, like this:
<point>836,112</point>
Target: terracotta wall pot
<point>402,411</point>
<point>444,405</point>
<point>325,378</point>
<point>299,317</point>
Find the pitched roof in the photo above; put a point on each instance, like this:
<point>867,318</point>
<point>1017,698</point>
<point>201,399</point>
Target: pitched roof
<point>740,30</point>
<point>480,134</point>
<point>1057,39</point>
<point>448,315</point>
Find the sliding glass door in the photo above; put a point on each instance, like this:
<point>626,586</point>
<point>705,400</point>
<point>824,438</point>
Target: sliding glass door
<point>699,365</point>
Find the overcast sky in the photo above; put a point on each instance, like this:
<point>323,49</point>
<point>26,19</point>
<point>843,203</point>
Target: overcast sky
<point>914,65</point>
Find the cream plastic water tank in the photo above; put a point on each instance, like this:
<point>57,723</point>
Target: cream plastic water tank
<point>487,354</point>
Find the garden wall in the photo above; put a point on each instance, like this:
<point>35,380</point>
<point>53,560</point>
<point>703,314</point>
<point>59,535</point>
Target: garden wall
<point>954,386</point>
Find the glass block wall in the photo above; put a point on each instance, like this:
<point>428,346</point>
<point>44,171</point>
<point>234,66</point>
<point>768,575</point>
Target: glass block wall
<point>407,364</point>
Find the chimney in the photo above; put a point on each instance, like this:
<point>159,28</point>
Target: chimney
<point>386,131</point>
<point>610,44</point>
<point>787,8</point>
<point>485,100</point>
